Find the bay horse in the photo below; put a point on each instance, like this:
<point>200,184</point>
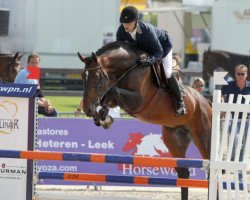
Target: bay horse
<point>224,59</point>
<point>9,67</point>
<point>112,77</point>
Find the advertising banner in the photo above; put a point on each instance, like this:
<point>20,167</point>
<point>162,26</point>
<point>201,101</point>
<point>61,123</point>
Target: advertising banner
<point>14,136</point>
<point>235,17</point>
<point>125,137</point>
<point>17,119</point>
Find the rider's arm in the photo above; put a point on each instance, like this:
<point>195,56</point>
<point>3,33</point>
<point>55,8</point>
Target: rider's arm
<point>155,45</point>
<point>120,34</point>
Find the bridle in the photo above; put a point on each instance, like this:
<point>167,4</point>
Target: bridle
<point>96,101</point>
<point>103,92</point>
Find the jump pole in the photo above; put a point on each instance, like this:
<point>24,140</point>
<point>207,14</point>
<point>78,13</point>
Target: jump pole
<point>138,180</point>
<point>105,158</point>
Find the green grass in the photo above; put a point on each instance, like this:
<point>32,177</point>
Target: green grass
<point>69,104</point>
<point>64,103</point>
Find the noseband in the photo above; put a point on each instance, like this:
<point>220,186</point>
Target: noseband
<point>97,100</point>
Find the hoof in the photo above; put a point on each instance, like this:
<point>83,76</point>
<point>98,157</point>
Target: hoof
<point>97,123</point>
<point>107,123</point>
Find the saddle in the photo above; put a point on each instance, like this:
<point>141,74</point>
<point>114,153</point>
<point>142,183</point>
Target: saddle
<point>159,76</point>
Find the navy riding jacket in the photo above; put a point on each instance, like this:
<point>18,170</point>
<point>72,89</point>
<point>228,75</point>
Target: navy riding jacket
<point>154,41</point>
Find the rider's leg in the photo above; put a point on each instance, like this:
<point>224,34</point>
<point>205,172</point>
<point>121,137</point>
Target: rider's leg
<point>174,85</point>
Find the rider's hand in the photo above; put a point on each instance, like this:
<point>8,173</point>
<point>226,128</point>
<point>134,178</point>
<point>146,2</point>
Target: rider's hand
<point>145,62</point>
<point>77,112</point>
<point>49,109</point>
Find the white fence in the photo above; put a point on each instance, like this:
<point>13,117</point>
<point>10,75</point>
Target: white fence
<point>230,148</point>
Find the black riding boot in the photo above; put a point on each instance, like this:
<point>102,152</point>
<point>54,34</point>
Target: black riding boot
<point>178,99</point>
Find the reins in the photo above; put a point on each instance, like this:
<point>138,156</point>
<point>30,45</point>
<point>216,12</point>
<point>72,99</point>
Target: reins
<point>113,84</point>
<point>122,76</point>
<point>130,69</point>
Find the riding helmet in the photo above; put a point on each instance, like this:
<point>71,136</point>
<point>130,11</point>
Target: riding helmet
<point>129,14</point>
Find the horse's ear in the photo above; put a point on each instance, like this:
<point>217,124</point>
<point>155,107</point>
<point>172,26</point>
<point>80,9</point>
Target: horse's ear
<point>19,57</point>
<point>94,57</point>
<point>82,58</point>
<point>209,48</point>
<point>16,55</point>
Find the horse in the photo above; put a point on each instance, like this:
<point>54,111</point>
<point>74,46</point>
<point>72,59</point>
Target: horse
<point>113,77</point>
<point>9,67</point>
<point>224,59</point>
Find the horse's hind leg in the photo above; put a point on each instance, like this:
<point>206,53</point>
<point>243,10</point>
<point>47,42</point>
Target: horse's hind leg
<point>201,136</point>
<point>177,141</point>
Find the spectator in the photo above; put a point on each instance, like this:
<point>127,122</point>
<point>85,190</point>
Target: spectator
<point>177,58</point>
<point>198,84</point>
<point>176,64</point>
<point>238,86</point>
<point>44,106</point>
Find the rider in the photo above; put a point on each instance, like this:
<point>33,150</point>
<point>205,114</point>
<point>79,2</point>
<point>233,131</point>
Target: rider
<point>156,43</point>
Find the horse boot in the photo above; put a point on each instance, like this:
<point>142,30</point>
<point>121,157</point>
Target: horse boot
<point>180,108</point>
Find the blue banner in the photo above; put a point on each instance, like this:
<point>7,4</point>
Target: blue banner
<point>125,137</point>
<point>17,90</point>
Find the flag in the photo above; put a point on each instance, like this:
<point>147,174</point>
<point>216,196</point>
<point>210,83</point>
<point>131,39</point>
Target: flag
<point>34,72</point>
<point>219,78</point>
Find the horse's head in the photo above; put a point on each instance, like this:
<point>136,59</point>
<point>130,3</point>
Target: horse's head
<point>96,83</point>
<point>10,66</point>
<point>209,62</point>
<point>14,66</point>
<point>105,69</point>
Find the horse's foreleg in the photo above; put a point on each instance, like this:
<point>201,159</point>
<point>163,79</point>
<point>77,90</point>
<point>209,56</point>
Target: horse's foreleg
<point>177,141</point>
<point>103,112</point>
<point>96,119</point>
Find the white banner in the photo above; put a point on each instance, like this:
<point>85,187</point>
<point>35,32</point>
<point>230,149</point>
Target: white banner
<point>13,136</point>
<point>231,26</point>
<point>197,2</point>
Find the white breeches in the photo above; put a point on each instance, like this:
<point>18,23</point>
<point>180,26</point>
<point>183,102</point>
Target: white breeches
<point>167,64</point>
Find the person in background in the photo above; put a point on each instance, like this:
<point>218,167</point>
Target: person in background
<point>157,43</point>
<point>177,58</point>
<point>239,86</point>
<point>113,112</point>
<point>44,106</point>
<point>21,78</point>
<point>198,84</point>
<point>176,63</point>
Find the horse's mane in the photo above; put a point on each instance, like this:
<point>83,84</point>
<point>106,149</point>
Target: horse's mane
<point>225,53</point>
<point>116,45</point>
<point>5,54</point>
